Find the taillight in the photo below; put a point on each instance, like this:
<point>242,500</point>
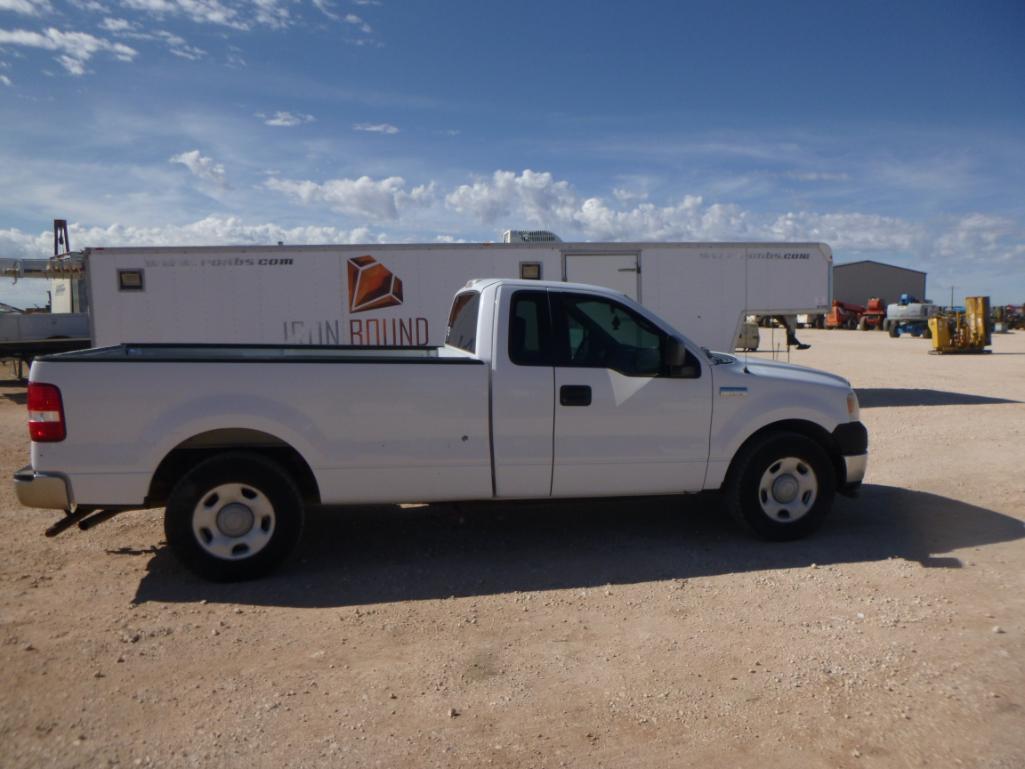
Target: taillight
<point>45,413</point>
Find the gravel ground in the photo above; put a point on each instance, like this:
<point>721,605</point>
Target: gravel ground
<point>618,633</point>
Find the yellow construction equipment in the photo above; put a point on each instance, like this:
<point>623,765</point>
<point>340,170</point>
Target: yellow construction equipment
<point>962,332</point>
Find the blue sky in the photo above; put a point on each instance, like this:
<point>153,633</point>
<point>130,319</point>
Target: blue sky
<point>891,131</point>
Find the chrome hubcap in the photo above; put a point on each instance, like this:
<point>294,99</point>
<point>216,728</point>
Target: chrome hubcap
<point>233,521</point>
<point>788,489</point>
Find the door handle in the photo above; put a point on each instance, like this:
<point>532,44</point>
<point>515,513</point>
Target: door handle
<point>575,395</point>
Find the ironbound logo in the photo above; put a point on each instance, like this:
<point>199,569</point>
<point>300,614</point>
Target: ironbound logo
<point>372,286</point>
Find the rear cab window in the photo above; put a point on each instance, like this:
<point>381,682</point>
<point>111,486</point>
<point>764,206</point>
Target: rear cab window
<point>530,329</point>
<point>462,322</point>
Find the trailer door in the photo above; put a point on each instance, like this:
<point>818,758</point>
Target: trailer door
<point>620,272</point>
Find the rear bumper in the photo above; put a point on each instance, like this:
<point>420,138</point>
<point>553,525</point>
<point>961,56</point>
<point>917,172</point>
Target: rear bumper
<point>48,490</point>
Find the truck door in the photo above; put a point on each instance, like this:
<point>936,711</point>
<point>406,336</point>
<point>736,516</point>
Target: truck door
<point>623,423</point>
<point>523,395</point>
<point>620,272</point>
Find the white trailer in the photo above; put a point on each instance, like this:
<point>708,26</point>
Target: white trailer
<point>369,295</point>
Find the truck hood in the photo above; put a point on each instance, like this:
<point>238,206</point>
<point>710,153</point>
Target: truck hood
<point>793,372</point>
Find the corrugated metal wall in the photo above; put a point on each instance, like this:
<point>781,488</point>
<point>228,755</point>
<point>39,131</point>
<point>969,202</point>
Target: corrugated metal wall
<point>856,283</point>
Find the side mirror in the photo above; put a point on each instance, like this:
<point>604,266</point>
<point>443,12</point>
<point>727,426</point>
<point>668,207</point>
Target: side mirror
<point>677,362</point>
<point>675,354</point>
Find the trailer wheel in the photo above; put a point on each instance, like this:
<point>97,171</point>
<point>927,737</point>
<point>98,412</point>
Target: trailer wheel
<point>234,516</point>
<point>781,487</point>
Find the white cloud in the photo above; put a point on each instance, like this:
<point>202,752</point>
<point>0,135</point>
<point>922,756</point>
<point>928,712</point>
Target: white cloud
<point>220,230</point>
<point>212,230</point>
<point>27,7</point>
<point>116,25</point>
<point>381,199</point>
<point>983,238</point>
<point>202,167</point>
<point>180,47</point>
<point>377,128</point>
<point>325,7</point>
<point>234,59</point>
<point>286,119</point>
<point>5,80</point>
<point>90,5</point>
<point>817,176</point>
<point>235,14</point>
<point>176,44</point>
<point>536,196</point>
<point>272,13</point>
<point>540,199</point>
<point>201,11</point>
<point>628,196</point>
<point>75,48</point>
<point>356,21</point>
<point>854,231</point>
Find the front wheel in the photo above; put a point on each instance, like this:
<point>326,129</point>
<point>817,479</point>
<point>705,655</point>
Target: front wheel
<point>234,516</point>
<point>781,487</point>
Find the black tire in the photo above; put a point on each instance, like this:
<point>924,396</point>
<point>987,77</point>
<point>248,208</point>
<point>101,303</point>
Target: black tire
<point>894,330</point>
<point>927,332</point>
<point>259,492</point>
<point>748,503</point>
<point>863,324</point>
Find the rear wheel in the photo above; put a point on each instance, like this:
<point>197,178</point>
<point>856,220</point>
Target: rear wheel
<point>234,516</point>
<point>894,330</point>
<point>781,487</point>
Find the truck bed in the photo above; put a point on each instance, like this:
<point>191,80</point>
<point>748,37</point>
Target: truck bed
<point>368,431</point>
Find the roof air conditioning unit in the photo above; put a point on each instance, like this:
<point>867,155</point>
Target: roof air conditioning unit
<point>530,236</point>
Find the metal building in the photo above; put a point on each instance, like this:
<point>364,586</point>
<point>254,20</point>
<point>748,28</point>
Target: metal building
<point>857,282</point>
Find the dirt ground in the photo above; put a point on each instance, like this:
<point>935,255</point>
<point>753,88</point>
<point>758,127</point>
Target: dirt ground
<point>618,633</point>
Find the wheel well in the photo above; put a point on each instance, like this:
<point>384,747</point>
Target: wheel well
<point>191,452</point>
<point>801,427</point>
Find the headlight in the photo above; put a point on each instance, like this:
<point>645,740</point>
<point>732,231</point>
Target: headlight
<point>853,410</point>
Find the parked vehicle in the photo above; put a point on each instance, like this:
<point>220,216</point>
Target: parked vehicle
<point>873,316</point>
<point>748,339</point>
<point>843,315</point>
<point>23,335</point>
<point>910,316</point>
<point>543,390</point>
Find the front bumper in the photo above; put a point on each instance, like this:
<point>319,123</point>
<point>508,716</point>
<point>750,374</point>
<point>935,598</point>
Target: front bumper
<point>854,473</point>
<point>851,441</point>
<point>47,490</point>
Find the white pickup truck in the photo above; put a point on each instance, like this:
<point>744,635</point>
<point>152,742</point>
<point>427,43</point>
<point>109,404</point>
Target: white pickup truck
<point>543,390</point>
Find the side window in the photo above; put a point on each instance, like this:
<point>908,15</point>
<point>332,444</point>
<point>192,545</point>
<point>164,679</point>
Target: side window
<point>462,322</point>
<point>530,336</point>
<point>601,333</point>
